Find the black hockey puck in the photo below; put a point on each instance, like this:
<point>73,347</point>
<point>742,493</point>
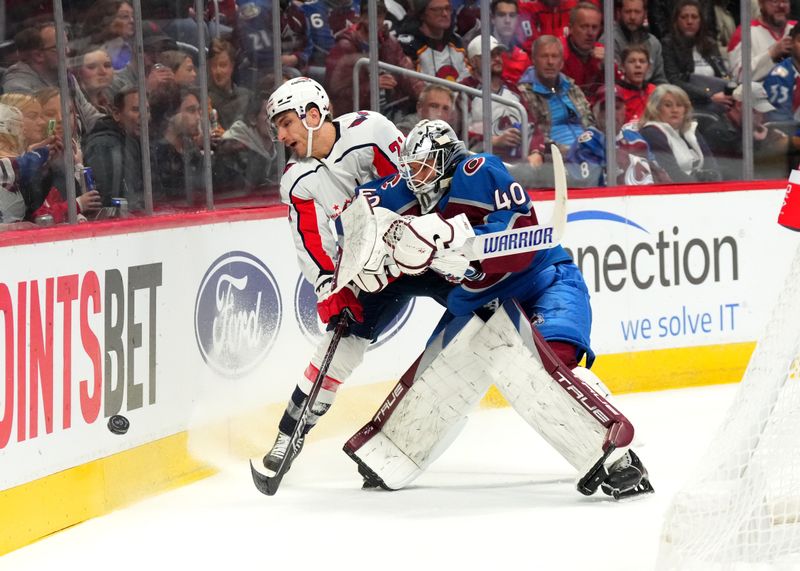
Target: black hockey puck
<point>118,424</point>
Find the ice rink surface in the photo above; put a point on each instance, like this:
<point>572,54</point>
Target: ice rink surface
<point>499,498</point>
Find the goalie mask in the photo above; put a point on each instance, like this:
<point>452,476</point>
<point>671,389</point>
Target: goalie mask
<point>430,154</point>
<point>298,95</point>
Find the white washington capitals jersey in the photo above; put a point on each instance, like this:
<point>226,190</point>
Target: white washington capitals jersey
<point>367,147</point>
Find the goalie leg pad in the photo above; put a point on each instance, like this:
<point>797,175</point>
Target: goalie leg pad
<point>594,382</point>
<point>569,414</point>
<point>425,411</point>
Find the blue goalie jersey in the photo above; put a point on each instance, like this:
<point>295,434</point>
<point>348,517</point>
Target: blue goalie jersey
<point>546,283</point>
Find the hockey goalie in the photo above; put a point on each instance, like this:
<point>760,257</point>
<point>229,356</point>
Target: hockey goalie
<point>517,317</point>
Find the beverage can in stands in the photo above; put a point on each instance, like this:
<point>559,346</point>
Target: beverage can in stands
<point>88,177</point>
<point>44,220</point>
<point>122,206</point>
<point>515,151</point>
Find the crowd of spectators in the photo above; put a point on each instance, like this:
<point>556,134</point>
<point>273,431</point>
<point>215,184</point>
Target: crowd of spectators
<point>678,98</point>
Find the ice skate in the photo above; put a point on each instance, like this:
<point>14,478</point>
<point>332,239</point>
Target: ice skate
<point>274,457</point>
<point>627,477</point>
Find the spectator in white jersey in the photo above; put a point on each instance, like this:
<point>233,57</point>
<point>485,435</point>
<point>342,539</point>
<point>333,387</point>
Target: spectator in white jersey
<point>433,46</point>
<point>506,120</point>
<point>769,38</point>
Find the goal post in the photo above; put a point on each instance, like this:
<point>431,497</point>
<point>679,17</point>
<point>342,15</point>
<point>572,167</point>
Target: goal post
<point>741,508</point>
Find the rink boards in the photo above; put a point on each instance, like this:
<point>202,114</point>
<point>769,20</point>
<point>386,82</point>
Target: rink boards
<point>189,321</point>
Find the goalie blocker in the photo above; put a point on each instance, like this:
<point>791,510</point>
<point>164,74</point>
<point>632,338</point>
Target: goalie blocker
<point>427,408</point>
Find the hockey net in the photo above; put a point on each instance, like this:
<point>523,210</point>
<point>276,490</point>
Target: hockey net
<point>742,509</point>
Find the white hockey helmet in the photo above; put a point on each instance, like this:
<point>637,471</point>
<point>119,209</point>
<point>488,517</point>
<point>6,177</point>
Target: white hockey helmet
<point>297,95</point>
<point>430,153</point>
<point>11,124</point>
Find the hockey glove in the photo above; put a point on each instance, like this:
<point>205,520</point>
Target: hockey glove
<point>374,281</point>
<point>419,243</point>
<point>330,306</point>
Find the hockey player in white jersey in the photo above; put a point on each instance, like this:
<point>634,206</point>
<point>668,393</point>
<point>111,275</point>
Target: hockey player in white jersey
<point>331,157</point>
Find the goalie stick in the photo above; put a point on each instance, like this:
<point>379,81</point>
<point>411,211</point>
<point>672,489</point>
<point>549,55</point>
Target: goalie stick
<point>360,229</point>
<point>269,484</point>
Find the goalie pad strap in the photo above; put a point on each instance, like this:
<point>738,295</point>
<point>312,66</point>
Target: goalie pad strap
<point>426,410</point>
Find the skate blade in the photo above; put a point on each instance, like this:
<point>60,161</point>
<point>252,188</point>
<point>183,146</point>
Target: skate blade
<point>643,488</point>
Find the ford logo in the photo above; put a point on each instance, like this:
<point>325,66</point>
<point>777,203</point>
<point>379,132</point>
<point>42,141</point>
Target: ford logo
<point>305,307</point>
<point>237,314</point>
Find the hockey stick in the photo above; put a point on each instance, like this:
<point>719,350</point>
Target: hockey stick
<point>269,484</point>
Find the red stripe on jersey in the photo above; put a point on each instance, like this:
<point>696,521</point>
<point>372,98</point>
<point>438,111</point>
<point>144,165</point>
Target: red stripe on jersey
<point>382,164</point>
<point>308,227</point>
<point>328,383</point>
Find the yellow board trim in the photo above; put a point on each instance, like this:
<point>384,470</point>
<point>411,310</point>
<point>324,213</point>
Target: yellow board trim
<point>37,509</point>
<point>664,369</point>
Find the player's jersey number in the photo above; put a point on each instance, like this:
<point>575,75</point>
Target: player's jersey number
<point>508,198</point>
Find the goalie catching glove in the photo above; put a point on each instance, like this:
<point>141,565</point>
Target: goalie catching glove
<point>419,243</point>
<point>331,305</point>
<point>380,270</point>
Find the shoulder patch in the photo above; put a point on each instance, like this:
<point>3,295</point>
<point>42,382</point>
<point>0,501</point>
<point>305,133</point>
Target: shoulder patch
<point>361,116</point>
<point>780,71</point>
<point>473,165</point>
<point>391,182</point>
<point>249,11</point>
<point>585,137</point>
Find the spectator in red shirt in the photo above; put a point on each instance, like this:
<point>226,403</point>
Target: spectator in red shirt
<point>633,85</point>
<point>505,23</point>
<point>547,17</point>
<point>583,54</point>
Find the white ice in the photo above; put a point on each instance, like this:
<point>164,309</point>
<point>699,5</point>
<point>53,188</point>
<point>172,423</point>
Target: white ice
<point>498,499</point>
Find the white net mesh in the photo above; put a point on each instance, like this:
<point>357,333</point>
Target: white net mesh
<point>742,509</point>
